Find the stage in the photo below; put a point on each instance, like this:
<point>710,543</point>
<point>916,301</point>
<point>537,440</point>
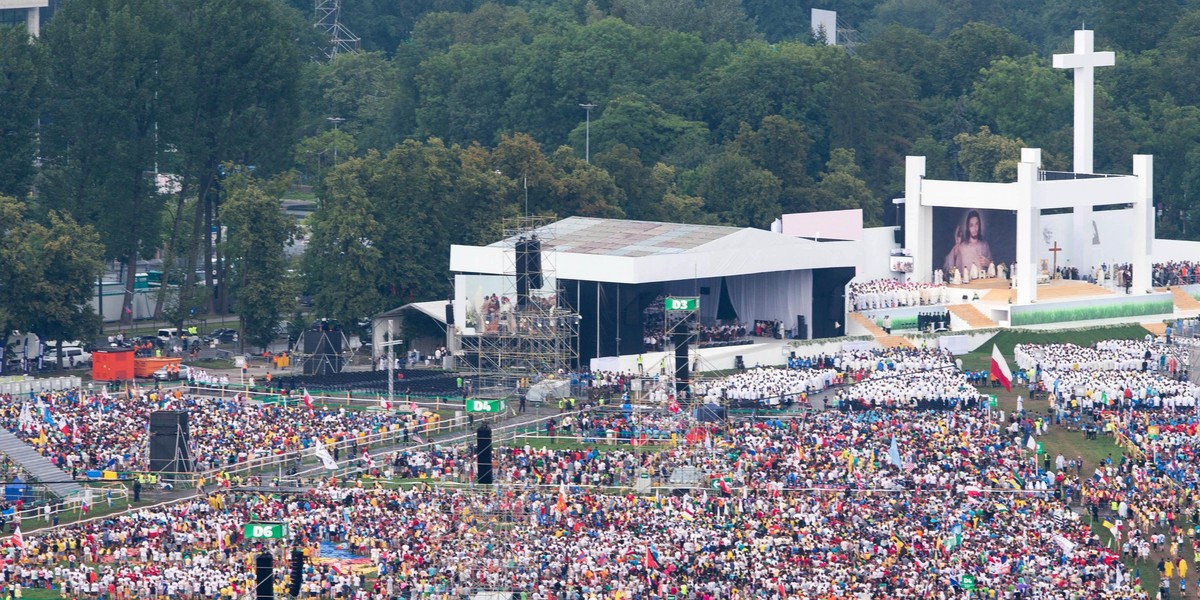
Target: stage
<point>1001,290</point>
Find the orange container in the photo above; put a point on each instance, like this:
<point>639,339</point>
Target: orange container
<point>112,364</point>
<point>145,367</point>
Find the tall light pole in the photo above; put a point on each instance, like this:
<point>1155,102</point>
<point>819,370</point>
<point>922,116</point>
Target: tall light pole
<point>587,146</point>
<point>336,121</point>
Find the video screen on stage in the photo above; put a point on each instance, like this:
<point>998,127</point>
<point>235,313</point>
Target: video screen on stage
<point>901,264</point>
<point>966,237</point>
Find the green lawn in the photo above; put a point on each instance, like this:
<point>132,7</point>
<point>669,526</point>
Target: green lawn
<point>1007,339</point>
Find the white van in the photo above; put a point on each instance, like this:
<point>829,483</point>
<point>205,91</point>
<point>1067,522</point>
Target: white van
<point>165,335</point>
<point>71,356</point>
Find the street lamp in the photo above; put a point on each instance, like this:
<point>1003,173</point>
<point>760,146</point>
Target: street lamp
<point>336,121</point>
<point>587,152</point>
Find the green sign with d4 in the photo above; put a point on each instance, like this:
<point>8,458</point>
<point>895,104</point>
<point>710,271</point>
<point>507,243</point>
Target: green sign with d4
<point>689,304</point>
<point>266,531</point>
<point>485,406</point>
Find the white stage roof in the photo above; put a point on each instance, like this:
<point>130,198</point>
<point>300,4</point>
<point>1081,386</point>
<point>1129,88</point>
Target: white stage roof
<point>619,251</point>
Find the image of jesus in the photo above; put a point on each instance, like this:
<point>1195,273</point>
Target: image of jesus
<point>970,247</point>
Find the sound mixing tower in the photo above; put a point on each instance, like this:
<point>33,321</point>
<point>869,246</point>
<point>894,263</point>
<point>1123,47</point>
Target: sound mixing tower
<point>681,325</point>
<point>536,333</point>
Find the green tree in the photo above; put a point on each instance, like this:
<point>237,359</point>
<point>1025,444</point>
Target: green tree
<point>257,274</point>
<point>712,20</point>
<point>642,186</point>
<point>48,274</point>
<point>1135,25</point>
<point>20,85</point>
<point>106,59</point>
<point>235,96</point>
<point>988,157</point>
<point>364,89</point>
<point>972,48</point>
<point>636,122</point>
<point>903,50</point>
<point>319,154</point>
<point>1023,98</point>
<point>736,191</point>
<point>342,264</point>
<point>840,187</point>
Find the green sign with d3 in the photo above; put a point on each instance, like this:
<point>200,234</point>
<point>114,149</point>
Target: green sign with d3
<point>485,406</point>
<point>266,531</point>
<point>690,304</point>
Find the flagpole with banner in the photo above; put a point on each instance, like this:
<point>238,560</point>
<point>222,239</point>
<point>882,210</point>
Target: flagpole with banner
<point>1000,369</point>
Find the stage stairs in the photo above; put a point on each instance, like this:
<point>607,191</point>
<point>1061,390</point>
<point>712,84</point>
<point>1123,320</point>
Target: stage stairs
<point>881,337</point>
<point>37,465</point>
<point>1184,300</point>
<point>973,317</point>
<point>1159,328</point>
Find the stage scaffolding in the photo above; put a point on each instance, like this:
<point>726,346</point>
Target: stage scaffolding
<point>534,334</point>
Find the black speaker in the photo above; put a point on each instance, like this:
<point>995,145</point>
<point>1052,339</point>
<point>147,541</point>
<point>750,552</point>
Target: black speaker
<point>483,455</point>
<point>297,564</point>
<point>449,313</point>
<point>682,372</point>
<point>739,363</point>
<point>898,236</point>
<point>310,340</point>
<point>801,327</point>
<point>170,442</point>
<point>533,263</point>
<point>264,577</point>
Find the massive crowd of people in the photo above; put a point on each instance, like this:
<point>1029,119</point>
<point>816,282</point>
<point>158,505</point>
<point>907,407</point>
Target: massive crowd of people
<point>818,506</point>
<point>908,488</point>
<point>79,431</point>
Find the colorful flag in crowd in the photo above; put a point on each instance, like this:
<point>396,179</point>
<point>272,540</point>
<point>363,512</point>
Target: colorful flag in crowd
<point>1000,368</point>
<point>307,400</point>
<point>17,538</point>
<point>894,454</point>
<point>384,404</point>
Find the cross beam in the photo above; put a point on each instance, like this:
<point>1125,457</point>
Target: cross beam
<point>1084,62</point>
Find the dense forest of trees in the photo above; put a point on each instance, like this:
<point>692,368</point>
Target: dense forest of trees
<point>456,111</point>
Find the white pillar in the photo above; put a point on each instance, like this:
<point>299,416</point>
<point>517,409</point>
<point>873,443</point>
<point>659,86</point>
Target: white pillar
<point>33,22</point>
<point>918,220</point>
<point>1143,222</point>
<point>1027,268</point>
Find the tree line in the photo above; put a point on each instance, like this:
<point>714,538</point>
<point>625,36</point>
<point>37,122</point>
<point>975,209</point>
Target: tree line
<point>459,113</point>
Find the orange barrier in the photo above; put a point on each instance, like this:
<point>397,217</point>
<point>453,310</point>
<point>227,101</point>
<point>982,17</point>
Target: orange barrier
<point>113,365</point>
<point>145,367</point>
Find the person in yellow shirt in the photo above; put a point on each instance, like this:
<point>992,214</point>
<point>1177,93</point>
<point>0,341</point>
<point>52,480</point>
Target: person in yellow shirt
<point>1169,569</point>
<point>1182,568</point>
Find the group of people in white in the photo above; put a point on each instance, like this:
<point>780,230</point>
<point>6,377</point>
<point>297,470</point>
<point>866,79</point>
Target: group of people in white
<point>891,293</point>
<point>1114,373</point>
<point>770,387</point>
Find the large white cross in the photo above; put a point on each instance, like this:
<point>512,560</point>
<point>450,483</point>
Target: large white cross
<point>1083,62</point>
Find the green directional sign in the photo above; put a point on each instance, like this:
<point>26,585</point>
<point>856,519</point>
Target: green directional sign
<point>992,402</point>
<point>485,406</point>
<point>967,583</point>
<point>266,531</point>
<point>689,304</point>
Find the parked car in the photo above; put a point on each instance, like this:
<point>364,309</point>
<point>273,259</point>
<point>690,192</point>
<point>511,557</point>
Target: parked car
<point>165,334</point>
<point>223,335</point>
<point>162,375</point>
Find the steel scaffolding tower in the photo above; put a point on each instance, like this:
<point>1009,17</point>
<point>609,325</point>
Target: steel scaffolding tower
<point>533,333</point>
<point>329,20</point>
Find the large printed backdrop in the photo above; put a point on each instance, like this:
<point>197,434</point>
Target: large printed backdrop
<point>999,231</point>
